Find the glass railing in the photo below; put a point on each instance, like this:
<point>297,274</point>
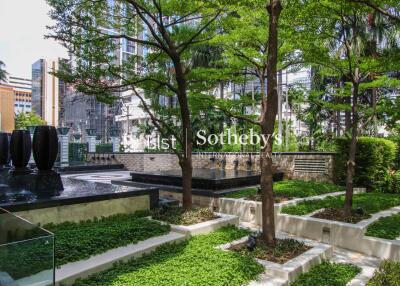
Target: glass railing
<point>26,253</point>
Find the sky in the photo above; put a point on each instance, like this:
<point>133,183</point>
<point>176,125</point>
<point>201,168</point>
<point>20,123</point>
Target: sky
<point>22,29</point>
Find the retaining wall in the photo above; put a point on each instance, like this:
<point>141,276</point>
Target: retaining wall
<point>297,165</point>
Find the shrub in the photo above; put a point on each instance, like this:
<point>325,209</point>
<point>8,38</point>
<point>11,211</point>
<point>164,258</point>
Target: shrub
<point>104,148</point>
<point>396,182</point>
<point>374,159</point>
<point>387,274</point>
<point>77,151</point>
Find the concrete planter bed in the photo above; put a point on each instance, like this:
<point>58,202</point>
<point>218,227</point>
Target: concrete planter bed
<point>285,274</point>
<point>207,226</point>
<point>250,211</point>
<point>69,273</point>
<point>341,234</point>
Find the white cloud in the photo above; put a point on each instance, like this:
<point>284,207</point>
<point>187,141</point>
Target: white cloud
<point>22,29</point>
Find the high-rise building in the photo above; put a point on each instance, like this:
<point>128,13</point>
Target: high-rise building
<point>22,93</point>
<point>6,108</point>
<point>47,91</point>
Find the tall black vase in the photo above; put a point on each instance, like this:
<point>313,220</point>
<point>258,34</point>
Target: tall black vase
<point>20,148</point>
<point>45,147</point>
<point>4,149</point>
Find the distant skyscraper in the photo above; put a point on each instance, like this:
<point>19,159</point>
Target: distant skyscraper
<point>47,91</point>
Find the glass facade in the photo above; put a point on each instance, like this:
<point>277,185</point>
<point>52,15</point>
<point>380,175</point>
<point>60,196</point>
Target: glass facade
<point>37,86</point>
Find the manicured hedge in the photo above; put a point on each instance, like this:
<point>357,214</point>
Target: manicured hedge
<point>104,148</point>
<point>374,159</point>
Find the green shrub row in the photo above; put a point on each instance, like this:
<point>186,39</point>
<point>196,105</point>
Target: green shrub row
<point>375,157</point>
<point>104,148</point>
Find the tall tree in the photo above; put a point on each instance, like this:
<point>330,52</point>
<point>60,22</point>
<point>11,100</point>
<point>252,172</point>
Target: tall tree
<point>253,48</point>
<point>335,42</point>
<point>24,120</point>
<point>166,30</point>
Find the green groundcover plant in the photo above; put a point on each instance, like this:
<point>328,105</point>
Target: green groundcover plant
<point>177,215</point>
<point>193,262</point>
<point>77,241</point>
<point>369,202</point>
<point>292,189</point>
<point>387,274</point>
<point>386,227</point>
<point>328,274</point>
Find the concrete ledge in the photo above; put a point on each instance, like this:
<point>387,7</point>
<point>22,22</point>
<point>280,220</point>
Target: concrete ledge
<point>68,273</point>
<point>286,273</point>
<point>207,226</point>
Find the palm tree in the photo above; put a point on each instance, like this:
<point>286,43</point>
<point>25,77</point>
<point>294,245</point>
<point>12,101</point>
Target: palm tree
<point>3,73</point>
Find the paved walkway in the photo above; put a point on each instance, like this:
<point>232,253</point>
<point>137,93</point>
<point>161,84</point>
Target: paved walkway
<point>101,177</point>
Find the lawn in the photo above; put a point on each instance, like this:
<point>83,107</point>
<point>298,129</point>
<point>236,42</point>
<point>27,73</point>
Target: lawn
<point>369,202</point>
<point>291,189</point>
<point>386,227</point>
<point>77,241</point>
<point>194,262</point>
<point>328,274</point>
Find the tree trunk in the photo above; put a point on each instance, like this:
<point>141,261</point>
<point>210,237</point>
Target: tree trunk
<point>268,116</point>
<point>186,159</point>
<point>351,162</point>
<point>186,166</point>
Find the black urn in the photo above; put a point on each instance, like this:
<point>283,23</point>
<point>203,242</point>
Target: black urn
<point>20,148</point>
<point>4,149</point>
<point>45,147</point>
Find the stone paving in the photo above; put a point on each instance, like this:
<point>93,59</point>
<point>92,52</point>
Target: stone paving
<point>101,177</point>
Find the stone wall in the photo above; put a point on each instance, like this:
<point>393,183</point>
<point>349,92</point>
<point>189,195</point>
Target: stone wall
<point>86,211</point>
<point>310,166</point>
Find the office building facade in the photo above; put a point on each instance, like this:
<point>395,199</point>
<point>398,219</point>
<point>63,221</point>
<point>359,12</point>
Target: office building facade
<point>47,91</point>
